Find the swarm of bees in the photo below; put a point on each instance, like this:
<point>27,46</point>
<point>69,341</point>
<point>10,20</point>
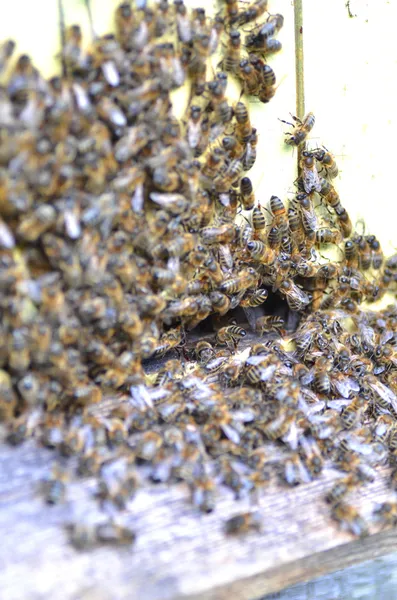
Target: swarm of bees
<point>123,228</point>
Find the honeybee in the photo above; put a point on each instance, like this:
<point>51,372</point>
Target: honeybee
<point>18,351</point>
<point>259,222</point>
<point>249,157</point>
<point>243,124</point>
<point>386,514</point>
<point>203,493</point>
<point>230,336</point>
<point>294,471</point>
<point>243,523</point>
<point>54,488</point>
<point>341,488</point>
<point>249,77</point>
<point>309,218</point>
<point>349,519</point>
<point>185,307</point>
<point>351,254</point>
<point>21,428</point>
<point>384,428</point>
<point>364,252</point>
<point>233,147</point>
<point>351,413</point>
<point>310,177</point>
<point>6,51</point>
<point>321,380</point>
<point>327,161</point>
<point>262,45</point>
<point>279,213</point>
<point>261,252</point>
<point>220,302</point>
<point>204,352</point>
<point>222,234</point>
<point>301,129</point>
<point>223,111</point>
<point>223,182</point>
<point>169,340</point>
<point>194,127</point>
<point>328,236</point>
<point>270,323</point>
<point>233,51</point>
<point>297,299</point>
<point>272,26</point>
<point>85,537</point>
<point>295,227</point>
<point>29,389</point>
<point>255,298</point>
<point>278,427</point>
<point>252,12</point>
<point>244,280</point>
<point>40,221</point>
<point>311,455</point>
<point>377,254</point>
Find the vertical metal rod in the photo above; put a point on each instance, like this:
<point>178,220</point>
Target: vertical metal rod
<point>62,36</point>
<point>299,65</point>
<point>90,19</point>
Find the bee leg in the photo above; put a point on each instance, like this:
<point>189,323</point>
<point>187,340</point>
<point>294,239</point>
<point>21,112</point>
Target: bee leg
<point>287,122</point>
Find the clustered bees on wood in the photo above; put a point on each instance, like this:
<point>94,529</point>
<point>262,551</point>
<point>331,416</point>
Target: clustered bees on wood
<point>119,234</point>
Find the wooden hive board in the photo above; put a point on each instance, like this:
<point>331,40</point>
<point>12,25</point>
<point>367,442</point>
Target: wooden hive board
<point>178,553</point>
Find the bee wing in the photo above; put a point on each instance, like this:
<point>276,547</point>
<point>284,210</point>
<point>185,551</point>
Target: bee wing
<point>81,97</point>
<point>308,378</point>
<point>303,473</point>
<point>159,394</point>
<point>174,263</point>
<point>386,336</point>
<point>72,225</point>
<point>110,73</point>
<point>137,199</point>
<point>213,364</point>
<point>268,372</point>
<point>338,404</point>
<point>310,218</point>
<point>291,439</point>
<point>175,203</point>
<point>384,392</point>
<point>359,447</point>
<point>309,395</point>
<point>231,433</point>
<point>311,180</point>
<point>315,408</point>
<point>140,397</point>
<point>245,416</point>
<point>235,301</point>
<point>193,133</point>
<point>345,386</point>
<point>7,239</point>
<point>300,294</point>
<point>256,360</point>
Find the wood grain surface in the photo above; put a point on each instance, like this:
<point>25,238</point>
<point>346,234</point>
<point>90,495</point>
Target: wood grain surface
<point>178,553</point>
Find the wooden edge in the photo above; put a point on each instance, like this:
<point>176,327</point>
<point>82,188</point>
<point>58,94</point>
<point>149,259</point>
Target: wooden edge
<point>306,569</point>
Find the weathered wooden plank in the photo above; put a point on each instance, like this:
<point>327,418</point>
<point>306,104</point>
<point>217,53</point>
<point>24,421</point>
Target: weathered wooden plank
<point>178,553</point>
<point>371,579</point>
